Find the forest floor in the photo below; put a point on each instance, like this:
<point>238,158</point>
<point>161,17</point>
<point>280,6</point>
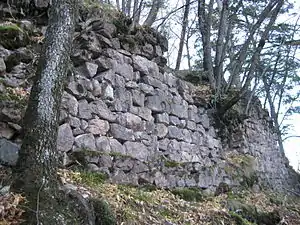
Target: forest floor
<point>129,205</point>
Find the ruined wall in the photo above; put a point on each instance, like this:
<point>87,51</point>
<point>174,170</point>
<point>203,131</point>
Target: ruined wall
<point>139,124</point>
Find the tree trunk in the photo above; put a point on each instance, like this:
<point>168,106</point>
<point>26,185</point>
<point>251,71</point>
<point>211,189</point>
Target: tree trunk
<point>156,4</point>
<point>205,23</point>
<point>183,31</point>
<point>35,175</point>
<point>254,61</point>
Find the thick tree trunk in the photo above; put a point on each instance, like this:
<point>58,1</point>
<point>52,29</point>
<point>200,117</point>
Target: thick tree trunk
<point>183,31</point>
<point>35,175</point>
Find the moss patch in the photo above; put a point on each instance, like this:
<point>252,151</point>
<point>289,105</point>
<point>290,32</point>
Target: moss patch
<point>188,194</point>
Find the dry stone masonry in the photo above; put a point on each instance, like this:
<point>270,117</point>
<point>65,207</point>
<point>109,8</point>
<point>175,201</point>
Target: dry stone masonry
<point>142,125</point>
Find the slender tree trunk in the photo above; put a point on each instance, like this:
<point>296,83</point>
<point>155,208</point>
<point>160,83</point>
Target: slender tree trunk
<point>124,6</point>
<point>185,22</point>
<point>223,26</point>
<point>118,4</point>
<point>205,23</point>
<point>35,175</point>
<point>254,61</point>
<point>128,7</point>
<point>156,4</point>
<point>273,114</point>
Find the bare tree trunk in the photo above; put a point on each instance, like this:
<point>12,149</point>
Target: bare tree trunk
<point>223,26</point>
<point>274,115</point>
<point>156,4</point>
<point>128,7</point>
<point>205,22</point>
<point>35,175</point>
<point>243,52</point>
<point>183,31</point>
<point>254,60</point>
<point>124,6</point>
<point>118,4</point>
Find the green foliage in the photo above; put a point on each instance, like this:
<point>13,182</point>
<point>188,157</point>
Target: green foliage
<point>188,194</point>
<point>10,27</point>
<point>172,163</point>
<point>103,212</point>
<point>239,219</point>
<point>17,96</point>
<point>92,179</point>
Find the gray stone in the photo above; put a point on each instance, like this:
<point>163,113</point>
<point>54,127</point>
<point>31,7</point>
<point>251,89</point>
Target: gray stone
<point>105,42</point>
<point>138,98</point>
<point>154,82</point>
<point>116,146</point>
<point>180,110</point>
<point>131,85</point>
<point>137,150</point>
<point>124,70</point>
<point>97,90</point>
<point>63,115</point>
<point>105,161</point>
<point>121,133</point>
<point>77,131</point>
<point>6,131</point>
<point>125,164</point>
<point>107,91</point>
<point>139,167</point>
<point>74,122</point>
<point>158,51</point>
<point>160,130</point>
<point>77,89</point>
<point>204,121</point>
<point>175,133</point>
<point>108,76</point>
<point>162,118</point>
<point>148,50</point>
<point>89,69</point>
<point>84,111</point>
<point>191,125</point>
<point>174,120</point>
<point>9,152</point>
<point>197,138</point>
<point>157,103</point>
<point>163,144</point>
<point>142,112</point>
<point>145,66</point>
<point>131,121</point>
<point>98,127</point>
<point>65,138</point>
<point>100,109</point>
<point>102,144</point>
<point>119,82</point>
<point>70,103</point>
<point>147,89</point>
<point>187,135</point>
<point>85,141</point>
<point>83,124</point>
<point>2,65</point>
<point>103,64</point>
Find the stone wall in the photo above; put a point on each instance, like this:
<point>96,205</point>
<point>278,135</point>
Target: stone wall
<point>126,117</point>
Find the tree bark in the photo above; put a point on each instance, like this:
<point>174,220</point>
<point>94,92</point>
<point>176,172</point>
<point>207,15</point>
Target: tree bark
<point>35,175</point>
<point>205,23</point>
<point>183,31</point>
<point>156,4</point>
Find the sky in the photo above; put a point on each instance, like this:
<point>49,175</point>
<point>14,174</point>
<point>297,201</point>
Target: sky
<point>292,145</point>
